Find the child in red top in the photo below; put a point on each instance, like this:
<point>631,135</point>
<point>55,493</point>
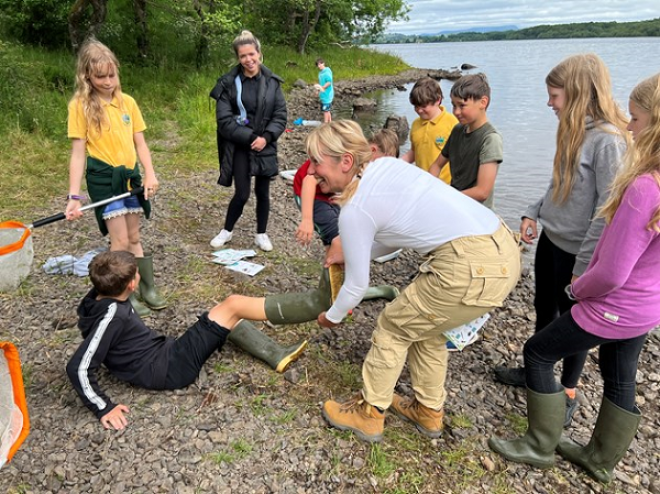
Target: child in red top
<point>319,212</point>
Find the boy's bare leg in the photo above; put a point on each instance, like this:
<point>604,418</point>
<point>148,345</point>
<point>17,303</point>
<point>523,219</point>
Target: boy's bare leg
<point>236,307</point>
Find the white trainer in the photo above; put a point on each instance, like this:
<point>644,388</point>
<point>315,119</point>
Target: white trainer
<point>221,239</point>
<point>263,242</point>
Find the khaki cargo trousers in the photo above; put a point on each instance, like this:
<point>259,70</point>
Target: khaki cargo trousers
<point>457,282</point>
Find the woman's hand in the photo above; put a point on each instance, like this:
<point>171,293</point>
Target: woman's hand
<point>334,254</point>
<point>258,144</point>
<point>528,230</point>
<point>325,322</point>
<point>150,185</point>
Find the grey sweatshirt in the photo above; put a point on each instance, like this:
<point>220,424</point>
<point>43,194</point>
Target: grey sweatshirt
<point>570,225</point>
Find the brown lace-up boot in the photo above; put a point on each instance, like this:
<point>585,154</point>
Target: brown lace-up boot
<point>427,420</point>
<point>356,415</point>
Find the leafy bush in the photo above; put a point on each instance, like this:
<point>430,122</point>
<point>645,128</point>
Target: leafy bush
<point>38,22</point>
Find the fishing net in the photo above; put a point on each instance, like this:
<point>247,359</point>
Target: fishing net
<point>14,421</point>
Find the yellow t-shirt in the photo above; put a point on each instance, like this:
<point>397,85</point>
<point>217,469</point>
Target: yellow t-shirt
<point>428,137</point>
<point>114,144</point>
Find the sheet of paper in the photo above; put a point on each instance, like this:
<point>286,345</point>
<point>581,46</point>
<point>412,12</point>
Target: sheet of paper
<point>248,268</point>
<point>231,256</point>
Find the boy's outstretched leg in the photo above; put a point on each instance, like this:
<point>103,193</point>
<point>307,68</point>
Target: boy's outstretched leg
<point>260,345</point>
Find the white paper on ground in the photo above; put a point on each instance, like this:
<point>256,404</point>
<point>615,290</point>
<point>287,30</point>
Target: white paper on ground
<point>230,256</point>
<point>245,267</point>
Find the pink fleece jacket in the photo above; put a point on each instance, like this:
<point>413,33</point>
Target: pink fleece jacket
<point>619,293</point>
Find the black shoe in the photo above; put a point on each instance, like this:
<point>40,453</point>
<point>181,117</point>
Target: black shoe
<point>512,377</point>
<point>571,405</point>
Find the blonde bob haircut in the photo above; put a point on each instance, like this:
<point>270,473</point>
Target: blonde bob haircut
<point>334,140</point>
<point>644,155</point>
<point>586,82</point>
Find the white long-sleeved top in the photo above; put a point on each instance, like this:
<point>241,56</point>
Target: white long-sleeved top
<point>398,205</point>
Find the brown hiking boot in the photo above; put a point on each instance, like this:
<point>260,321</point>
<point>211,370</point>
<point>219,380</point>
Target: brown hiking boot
<point>356,415</point>
<point>427,420</point>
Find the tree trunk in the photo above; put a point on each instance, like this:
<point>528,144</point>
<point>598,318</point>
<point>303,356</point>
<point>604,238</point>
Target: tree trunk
<point>76,19</point>
<point>140,9</point>
<point>202,44</point>
<point>308,26</point>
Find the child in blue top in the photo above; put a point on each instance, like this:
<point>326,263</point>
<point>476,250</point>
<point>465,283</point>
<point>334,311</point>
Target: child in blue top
<point>327,91</point>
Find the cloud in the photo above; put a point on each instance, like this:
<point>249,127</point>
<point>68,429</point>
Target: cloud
<point>432,16</point>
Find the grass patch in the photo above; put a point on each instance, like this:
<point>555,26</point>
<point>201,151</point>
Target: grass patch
<point>380,462</point>
<point>518,422</point>
<point>284,417</point>
<point>238,450</point>
<point>460,421</point>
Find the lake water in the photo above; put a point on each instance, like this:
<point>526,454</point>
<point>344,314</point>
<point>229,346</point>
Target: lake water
<point>516,71</point>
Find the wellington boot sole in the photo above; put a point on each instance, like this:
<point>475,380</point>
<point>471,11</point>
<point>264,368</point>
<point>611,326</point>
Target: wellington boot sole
<point>503,448</point>
<point>292,357</point>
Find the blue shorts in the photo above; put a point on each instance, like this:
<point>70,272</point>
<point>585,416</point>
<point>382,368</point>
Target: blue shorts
<point>121,207</point>
<point>326,106</point>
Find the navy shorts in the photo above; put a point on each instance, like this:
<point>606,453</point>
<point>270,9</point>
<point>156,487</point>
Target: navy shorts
<point>326,106</point>
<point>191,350</point>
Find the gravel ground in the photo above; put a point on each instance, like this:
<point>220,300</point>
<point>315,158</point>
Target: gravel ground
<point>242,428</point>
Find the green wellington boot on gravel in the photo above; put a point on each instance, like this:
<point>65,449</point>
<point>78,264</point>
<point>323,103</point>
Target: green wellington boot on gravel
<point>294,308</point>
<point>387,292</point>
<point>614,431</point>
<point>545,415</point>
<point>140,309</point>
<point>260,345</point>
<point>147,290</point>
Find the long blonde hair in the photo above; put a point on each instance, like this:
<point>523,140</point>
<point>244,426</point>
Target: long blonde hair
<point>94,58</point>
<point>588,89</point>
<point>644,155</point>
<point>334,140</point>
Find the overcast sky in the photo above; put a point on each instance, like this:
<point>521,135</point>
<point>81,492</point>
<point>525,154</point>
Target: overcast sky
<point>432,16</point>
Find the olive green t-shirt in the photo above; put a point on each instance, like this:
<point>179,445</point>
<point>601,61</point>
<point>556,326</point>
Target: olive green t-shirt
<point>466,151</point>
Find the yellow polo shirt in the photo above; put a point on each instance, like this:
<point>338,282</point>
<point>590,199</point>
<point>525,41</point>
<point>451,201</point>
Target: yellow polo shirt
<point>114,144</point>
<point>428,137</point>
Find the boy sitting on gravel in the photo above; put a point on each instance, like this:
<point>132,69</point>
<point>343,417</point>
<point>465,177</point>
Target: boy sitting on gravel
<point>114,335</point>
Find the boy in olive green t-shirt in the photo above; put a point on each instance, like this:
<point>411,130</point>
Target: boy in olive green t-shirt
<point>474,147</point>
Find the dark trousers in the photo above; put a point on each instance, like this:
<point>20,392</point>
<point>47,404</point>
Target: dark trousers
<point>191,350</point>
<point>564,338</point>
<point>242,179</point>
<point>553,270</point>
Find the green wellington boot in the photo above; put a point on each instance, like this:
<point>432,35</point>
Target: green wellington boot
<point>387,292</point>
<point>545,415</point>
<point>260,345</point>
<point>614,431</point>
<point>148,291</point>
<point>141,309</point>
<point>294,308</point>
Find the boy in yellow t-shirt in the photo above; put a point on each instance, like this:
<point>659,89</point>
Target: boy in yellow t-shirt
<point>431,130</point>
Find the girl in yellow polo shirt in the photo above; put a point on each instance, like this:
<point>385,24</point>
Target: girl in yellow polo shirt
<point>106,130</point>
